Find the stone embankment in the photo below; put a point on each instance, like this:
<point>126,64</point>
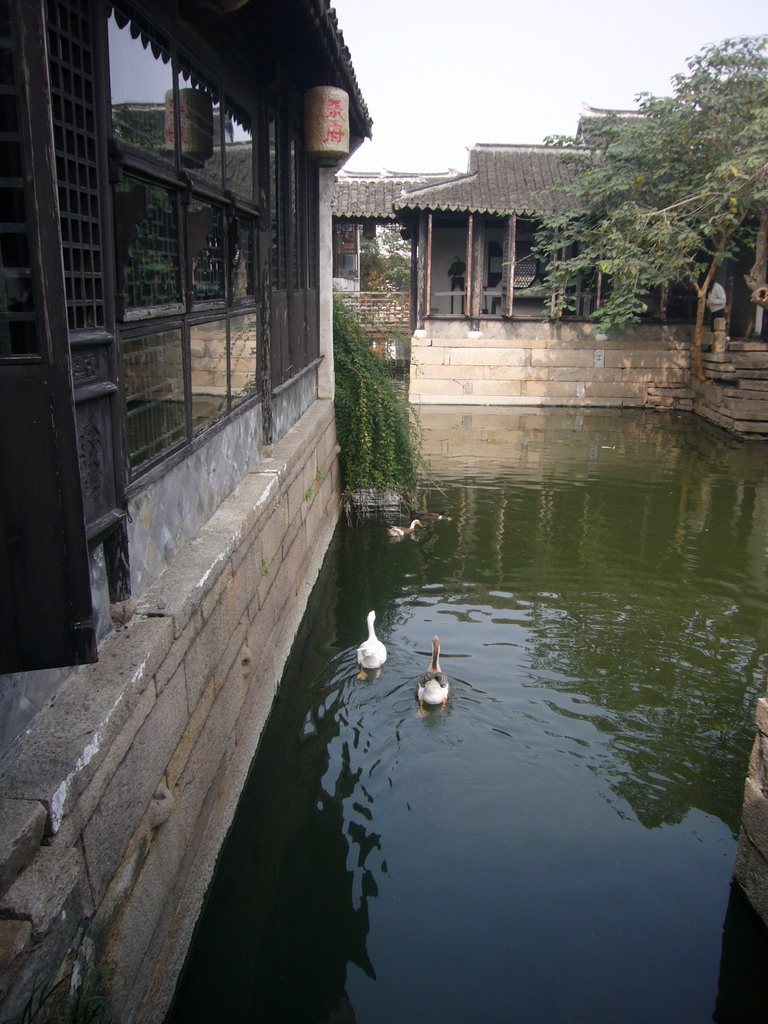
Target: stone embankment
<point>751,869</point>
<point>114,803</point>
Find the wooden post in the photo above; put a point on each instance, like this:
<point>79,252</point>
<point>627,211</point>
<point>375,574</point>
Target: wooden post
<point>478,266</point>
<point>510,242</point>
<point>422,298</point>
<point>470,270</point>
<point>429,265</point>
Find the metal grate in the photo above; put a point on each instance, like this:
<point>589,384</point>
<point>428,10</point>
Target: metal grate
<point>72,99</point>
<point>525,271</point>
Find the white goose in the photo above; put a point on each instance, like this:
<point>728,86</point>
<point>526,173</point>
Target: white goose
<point>433,684</point>
<point>371,654</point>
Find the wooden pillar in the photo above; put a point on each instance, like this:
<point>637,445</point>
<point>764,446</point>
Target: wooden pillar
<point>510,244</point>
<point>470,270</point>
<point>428,281</point>
<point>478,266</point>
<point>422,296</point>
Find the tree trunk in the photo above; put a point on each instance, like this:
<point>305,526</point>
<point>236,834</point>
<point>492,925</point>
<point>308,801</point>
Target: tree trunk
<point>702,290</point>
<point>698,331</point>
<point>756,278</point>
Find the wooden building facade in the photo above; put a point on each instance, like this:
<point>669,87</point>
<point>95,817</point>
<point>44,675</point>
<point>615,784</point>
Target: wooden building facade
<point>160,269</point>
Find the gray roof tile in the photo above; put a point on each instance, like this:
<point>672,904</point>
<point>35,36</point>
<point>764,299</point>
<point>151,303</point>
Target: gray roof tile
<point>500,179</point>
<point>362,195</point>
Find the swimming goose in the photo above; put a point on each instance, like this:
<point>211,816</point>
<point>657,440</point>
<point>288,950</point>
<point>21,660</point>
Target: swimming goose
<point>423,515</point>
<point>371,654</point>
<point>401,531</point>
<point>433,684</point>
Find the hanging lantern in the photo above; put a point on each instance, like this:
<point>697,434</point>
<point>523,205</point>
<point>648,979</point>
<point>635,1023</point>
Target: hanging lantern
<point>369,228</point>
<point>326,124</point>
<point>195,124</point>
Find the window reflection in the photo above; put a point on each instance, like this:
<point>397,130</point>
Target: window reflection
<point>199,125</point>
<point>243,357</point>
<point>154,387</point>
<point>243,278</point>
<point>238,140</point>
<point>208,361</point>
<point>205,227</point>
<point>140,78</point>
<point>147,218</point>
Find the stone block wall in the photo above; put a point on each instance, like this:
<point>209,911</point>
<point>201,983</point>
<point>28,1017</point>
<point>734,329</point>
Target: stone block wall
<point>116,800</point>
<point>541,363</point>
<point>751,870</point>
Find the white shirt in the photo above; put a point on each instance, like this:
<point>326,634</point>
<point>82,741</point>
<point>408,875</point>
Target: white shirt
<point>716,298</point>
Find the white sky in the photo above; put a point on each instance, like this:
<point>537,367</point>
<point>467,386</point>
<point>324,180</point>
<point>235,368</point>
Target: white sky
<point>439,76</point>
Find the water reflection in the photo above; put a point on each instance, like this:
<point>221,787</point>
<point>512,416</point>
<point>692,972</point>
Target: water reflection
<point>556,844</point>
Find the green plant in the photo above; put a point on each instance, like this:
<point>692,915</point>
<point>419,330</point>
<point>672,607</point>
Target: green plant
<point>63,1002</point>
<point>664,197</point>
<point>376,433</point>
<point>457,268</point>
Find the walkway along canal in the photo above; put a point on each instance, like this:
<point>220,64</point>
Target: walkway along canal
<point>556,845</point>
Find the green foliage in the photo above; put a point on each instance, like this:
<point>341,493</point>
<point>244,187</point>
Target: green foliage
<point>60,1004</point>
<point>373,422</point>
<point>662,198</point>
<point>385,261</point>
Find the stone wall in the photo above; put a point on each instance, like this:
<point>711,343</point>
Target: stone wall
<point>751,869</point>
<point>117,798</point>
<point>540,363</point>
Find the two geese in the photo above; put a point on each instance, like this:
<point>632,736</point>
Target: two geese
<point>433,686</point>
<point>418,518</point>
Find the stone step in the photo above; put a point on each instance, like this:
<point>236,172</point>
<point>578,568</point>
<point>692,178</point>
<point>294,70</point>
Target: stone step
<point>670,391</point>
<point>747,346</point>
<point>746,427</point>
<point>746,409</point>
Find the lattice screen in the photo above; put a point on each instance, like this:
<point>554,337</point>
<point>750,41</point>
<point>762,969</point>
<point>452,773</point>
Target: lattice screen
<point>72,88</point>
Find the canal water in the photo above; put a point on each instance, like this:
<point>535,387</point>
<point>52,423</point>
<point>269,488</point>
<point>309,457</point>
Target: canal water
<point>556,845</point>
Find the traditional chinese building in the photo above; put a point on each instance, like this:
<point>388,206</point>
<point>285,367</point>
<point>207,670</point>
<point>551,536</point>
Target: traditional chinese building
<point>484,331</point>
<point>168,469</point>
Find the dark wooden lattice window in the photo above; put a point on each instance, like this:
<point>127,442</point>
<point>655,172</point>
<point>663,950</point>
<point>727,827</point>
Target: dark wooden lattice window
<point>45,598</point>
<point>72,92</point>
<point>18,321</point>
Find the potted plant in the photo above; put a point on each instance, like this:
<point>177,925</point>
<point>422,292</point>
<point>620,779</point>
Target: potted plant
<point>457,268</point>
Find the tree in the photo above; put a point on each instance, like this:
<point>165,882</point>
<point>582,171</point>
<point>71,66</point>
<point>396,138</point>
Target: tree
<point>664,195</point>
<point>385,261</point>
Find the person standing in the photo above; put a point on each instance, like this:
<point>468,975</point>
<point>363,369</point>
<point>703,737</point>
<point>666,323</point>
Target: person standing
<point>716,301</point>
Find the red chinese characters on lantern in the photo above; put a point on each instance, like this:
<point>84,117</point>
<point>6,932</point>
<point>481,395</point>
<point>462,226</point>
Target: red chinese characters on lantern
<point>326,119</point>
<point>336,122</point>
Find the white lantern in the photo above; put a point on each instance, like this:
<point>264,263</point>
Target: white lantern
<point>195,124</point>
<point>326,124</point>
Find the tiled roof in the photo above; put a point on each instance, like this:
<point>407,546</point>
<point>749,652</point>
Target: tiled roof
<point>309,44</point>
<point>500,179</point>
<point>362,195</point>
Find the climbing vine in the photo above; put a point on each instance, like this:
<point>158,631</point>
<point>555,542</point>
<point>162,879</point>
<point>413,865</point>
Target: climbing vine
<point>374,425</point>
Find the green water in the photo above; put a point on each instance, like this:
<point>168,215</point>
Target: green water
<point>555,846</point>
